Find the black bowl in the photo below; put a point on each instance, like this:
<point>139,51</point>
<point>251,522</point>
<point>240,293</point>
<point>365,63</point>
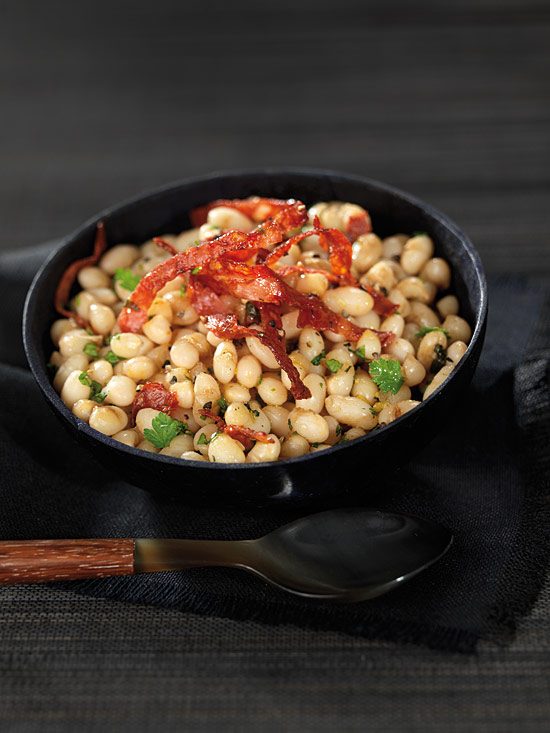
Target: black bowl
<point>320,477</point>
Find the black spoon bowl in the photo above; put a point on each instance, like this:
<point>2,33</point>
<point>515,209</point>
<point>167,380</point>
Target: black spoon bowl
<point>345,554</point>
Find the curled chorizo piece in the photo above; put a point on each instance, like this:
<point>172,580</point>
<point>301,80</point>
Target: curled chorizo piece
<point>66,282</point>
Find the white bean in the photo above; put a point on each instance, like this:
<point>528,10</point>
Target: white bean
<point>184,392</point>
<point>348,300</point>
<point>139,368</point>
<point>426,352</point>
<point>367,250</point>
<point>127,437</point>
<point>262,353</point>
<point>416,252</point>
<point>224,362</point>
<point>93,277</point>
<point>293,446</point>
<point>145,417</point>
<point>237,413</point>
<point>73,342</point>
<point>75,362</point>
<point>249,371</point>
<point>126,345</point>
<point>318,388</point>
<point>158,329</point>
<point>234,392</point>
<point>60,327</point>
<point>224,449</point>
<point>448,306</point>
<point>309,425</point>
<point>350,411</point>
<point>310,343</point>
<point>184,354</point>
<point>108,420</point>
<point>278,418</point>
<point>264,452</point>
<point>457,328</point>
<point>83,409</point>
<point>206,389</point>
<point>101,371</point>
<point>225,218</point>
<point>119,257</point>
<point>120,391</point>
<point>102,319</point>
<point>73,389</point>
<point>178,445</point>
<point>413,371</point>
<point>192,455</point>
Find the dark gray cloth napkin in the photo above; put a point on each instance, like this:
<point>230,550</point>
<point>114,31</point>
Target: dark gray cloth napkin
<point>485,477</point>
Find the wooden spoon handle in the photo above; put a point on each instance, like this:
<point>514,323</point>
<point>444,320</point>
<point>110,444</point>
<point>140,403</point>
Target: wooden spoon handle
<point>39,561</point>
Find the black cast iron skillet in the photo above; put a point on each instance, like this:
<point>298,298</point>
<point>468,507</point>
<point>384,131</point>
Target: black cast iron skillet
<point>322,477</point>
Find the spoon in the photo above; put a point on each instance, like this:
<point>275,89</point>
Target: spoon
<point>344,555</point>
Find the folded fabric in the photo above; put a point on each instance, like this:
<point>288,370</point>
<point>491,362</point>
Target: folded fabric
<point>484,477</point>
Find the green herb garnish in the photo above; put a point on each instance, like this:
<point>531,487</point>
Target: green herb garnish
<point>127,278</point>
<point>386,374</point>
<point>196,270</point>
<point>333,365</point>
<point>440,358</point>
<point>317,359</point>
<point>96,393</point>
<point>112,358</point>
<point>223,404</point>
<point>91,350</point>
<point>203,440</point>
<point>430,329</point>
<point>163,430</point>
<point>183,289</point>
<point>359,353</point>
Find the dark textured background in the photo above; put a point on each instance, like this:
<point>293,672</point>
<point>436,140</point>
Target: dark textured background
<point>101,100</point>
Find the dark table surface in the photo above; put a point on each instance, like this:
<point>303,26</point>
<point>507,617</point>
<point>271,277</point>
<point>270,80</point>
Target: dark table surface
<point>100,101</point>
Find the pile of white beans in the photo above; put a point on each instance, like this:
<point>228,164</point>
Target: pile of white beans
<point>176,349</point>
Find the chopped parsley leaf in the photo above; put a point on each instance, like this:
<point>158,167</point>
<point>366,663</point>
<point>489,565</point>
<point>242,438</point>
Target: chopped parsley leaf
<point>126,278</point>
<point>203,440</point>
<point>359,353</point>
<point>183,289</point>
<point>317,359</point>
<point>386,374</point>
<point>163,430</point>
<point>420,234</point>
<point>91,350</point>
<point>196,270</point>
<point>333,365</point>
<point>96,393</point>
<point>439,360</point>
<point>223,404</point>
<point>339,430</point>
<point>430,329</point>
<point>112,358</point>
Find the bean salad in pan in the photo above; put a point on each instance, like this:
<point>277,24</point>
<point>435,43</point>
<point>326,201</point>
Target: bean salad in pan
<point>265,332</point>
